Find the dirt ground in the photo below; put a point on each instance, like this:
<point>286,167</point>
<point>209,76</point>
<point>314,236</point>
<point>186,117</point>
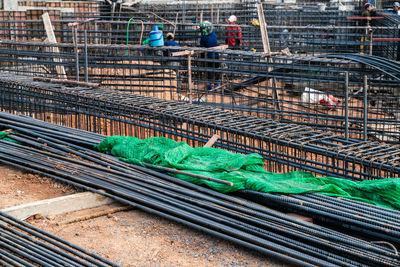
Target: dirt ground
<point>18,187</point>
<point>128,238</point>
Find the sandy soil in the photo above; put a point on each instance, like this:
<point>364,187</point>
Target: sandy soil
<point>129,238</point>
<point>18,187</point>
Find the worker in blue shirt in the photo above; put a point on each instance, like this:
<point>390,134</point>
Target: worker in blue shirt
<point>170,41</point>
<point>174,61</point>
<point>396,11</point>
<point>209,39</point>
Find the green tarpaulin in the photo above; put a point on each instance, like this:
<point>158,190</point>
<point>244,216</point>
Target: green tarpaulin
<point>245,171</point>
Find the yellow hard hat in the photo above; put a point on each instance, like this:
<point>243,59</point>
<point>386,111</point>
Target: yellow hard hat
<point>255,22</point>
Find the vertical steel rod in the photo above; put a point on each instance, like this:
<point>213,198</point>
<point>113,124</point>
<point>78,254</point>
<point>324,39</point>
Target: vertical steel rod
<point>86,59</point>
<point>346,106</point>
<point>365,107</point>
<point>75,40</point>
<point>370,41</point>
<point>190,77</point>
<point>184,12</point>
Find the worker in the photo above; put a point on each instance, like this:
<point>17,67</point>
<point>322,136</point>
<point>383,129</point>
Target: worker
<point>284,38</point>
<point>147,41</point>
<point>208,36</point>
<point>369,10</point>
<point>209,39</point>
<point>396,11</point>
<point>234,33</point>
<point>170,41</point>
<point>396,8</point>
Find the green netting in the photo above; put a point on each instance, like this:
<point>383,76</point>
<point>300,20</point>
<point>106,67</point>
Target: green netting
<point>245,171</point>
<point>3,136</point>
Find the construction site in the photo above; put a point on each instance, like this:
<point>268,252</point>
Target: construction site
<point>199,133</point>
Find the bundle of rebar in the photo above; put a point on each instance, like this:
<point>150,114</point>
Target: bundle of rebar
<point>366,219</point>
<point>67,155</point>
<point>22,244</point>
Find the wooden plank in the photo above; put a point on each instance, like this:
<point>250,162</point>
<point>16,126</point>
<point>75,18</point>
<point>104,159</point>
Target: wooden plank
<point>267,50</point>
<point>182,53</point>
<point>59,205</point>
<point>263,28</point>
<point>212,13</point>
<point>212,141</point>
<point>191,52</point>
<point>52,39</point>
<point>220,47</point>
<point>49,28</point>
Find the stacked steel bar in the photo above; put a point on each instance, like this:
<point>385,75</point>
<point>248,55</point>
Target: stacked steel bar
<point>22,244</point>
<point>366,219</point>
<point>52,151</point>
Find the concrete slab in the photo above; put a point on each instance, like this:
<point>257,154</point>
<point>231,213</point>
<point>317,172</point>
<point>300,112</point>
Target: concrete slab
<point>59,205</point>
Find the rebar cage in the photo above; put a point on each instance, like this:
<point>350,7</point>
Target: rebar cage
<point>284,146</point>
<point>303,90</point>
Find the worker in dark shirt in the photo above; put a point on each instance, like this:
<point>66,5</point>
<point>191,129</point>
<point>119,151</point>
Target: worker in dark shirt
<point>209,39</point>
<point>170,41</point>
<point>369,11</point>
